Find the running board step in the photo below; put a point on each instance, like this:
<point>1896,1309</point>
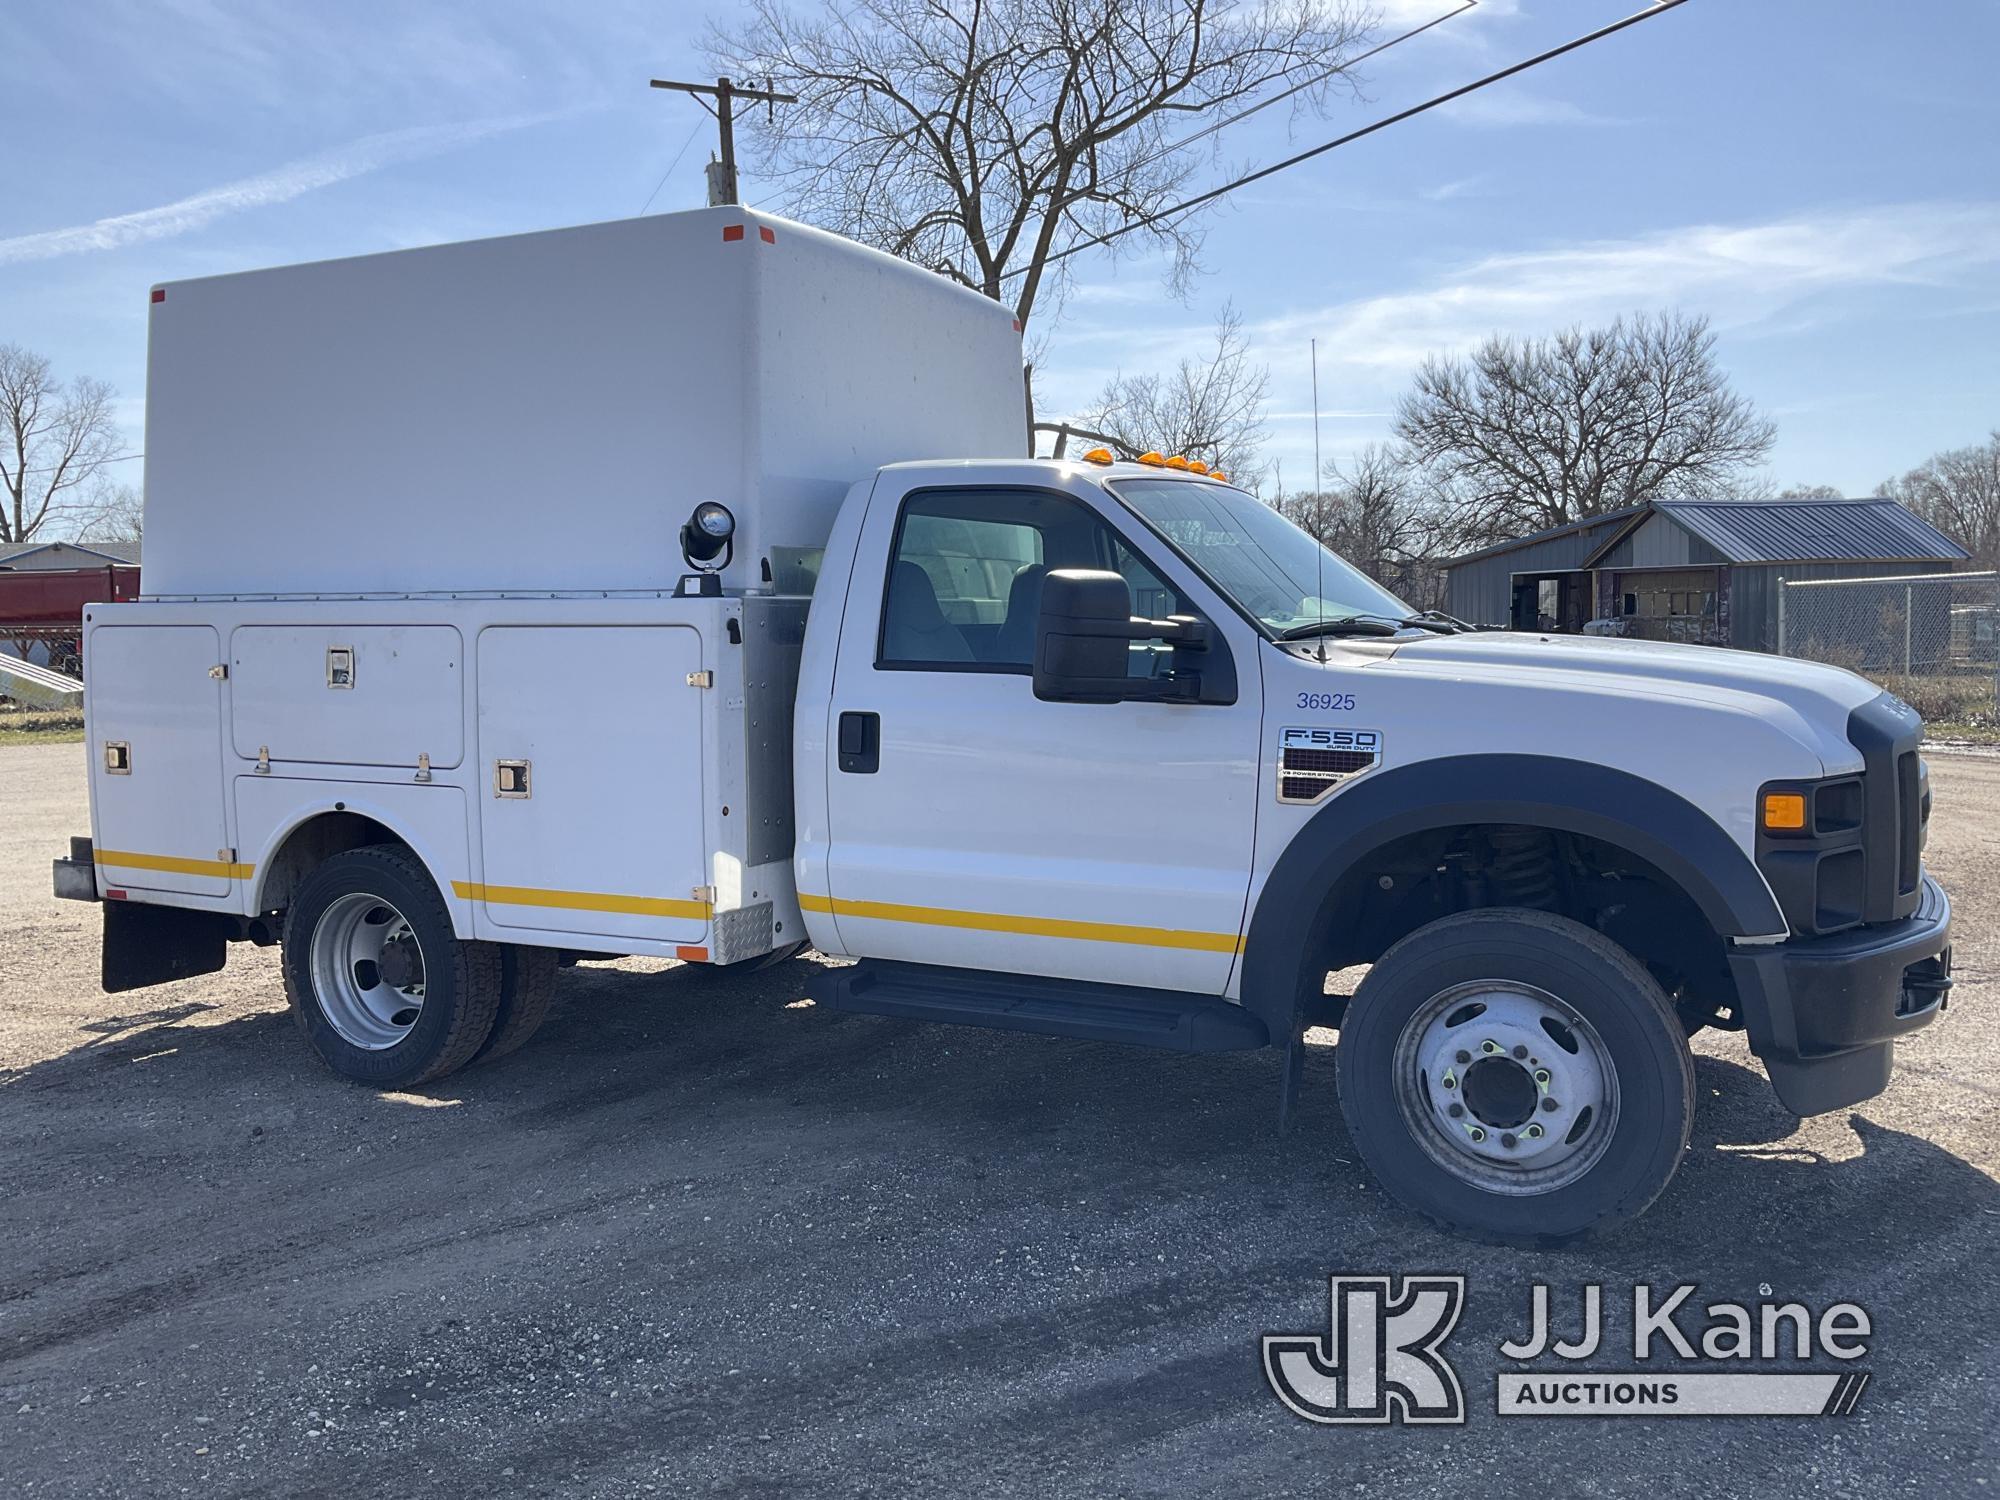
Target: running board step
<point>1170,1019</point>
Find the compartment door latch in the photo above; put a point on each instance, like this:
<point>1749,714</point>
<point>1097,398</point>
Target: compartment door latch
<point>510,778</point>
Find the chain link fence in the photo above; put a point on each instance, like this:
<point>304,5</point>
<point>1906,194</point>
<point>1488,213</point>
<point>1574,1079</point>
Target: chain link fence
<point>1933,639</point>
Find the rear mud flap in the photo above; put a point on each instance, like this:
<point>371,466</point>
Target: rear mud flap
<point>147,945</point>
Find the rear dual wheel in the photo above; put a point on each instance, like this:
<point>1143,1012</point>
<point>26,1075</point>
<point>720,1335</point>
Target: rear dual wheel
<point>383,989</point>
<point>1517,1076</point>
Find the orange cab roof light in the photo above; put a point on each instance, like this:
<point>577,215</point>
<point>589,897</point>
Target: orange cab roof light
<point>1152,458</point>
<point>1177,462</point>
<point>1197,466</point>
<point>1098,456</point>
<point>1217,474</point>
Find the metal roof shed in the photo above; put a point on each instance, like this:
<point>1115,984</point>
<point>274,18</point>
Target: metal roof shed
<point>1693,570</point>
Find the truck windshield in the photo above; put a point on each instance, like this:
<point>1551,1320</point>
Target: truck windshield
<point>1271,569</point>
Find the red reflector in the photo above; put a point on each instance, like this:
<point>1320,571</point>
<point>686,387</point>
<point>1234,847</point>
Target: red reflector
<point>159,294</point>
<point>111,895</point>
<point>732,231</point>
<point>1017,325</point>
<point>691,955</point>
<point>768,236</point>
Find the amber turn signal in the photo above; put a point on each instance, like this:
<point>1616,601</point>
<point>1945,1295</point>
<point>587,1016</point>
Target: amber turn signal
<point>1784,812</point>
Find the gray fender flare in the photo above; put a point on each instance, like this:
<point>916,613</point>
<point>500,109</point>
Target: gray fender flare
<point>1666,830</point>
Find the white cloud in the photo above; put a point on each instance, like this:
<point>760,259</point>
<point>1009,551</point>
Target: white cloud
<point>1505,105</point>
<point>293,180</point>
<point>1445,191</point>
<point>1740,275</point>
<point>1752,280</point>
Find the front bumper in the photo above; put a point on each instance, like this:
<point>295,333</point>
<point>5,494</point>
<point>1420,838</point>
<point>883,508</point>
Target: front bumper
<point>1823,1013</point>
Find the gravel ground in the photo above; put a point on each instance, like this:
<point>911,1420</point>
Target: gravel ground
<point>702,1237</point>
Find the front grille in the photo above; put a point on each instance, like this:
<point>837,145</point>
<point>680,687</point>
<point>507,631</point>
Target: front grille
<point>1910,824</point>
<point>1886,732</point>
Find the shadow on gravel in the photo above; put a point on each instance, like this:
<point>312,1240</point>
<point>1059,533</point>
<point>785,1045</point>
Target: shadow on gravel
<point>685,1050</point>
<point>950,1248</point>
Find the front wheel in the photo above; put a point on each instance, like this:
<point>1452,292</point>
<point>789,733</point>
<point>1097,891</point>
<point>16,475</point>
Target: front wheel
<point>1517,1076</point>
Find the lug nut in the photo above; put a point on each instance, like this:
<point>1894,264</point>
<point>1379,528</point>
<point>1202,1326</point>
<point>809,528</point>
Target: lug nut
<point>1520,1050</point>
<point>1489,1047</point>
<point>1542,1077</point>
<point>1550,1105</point>
<point>1507,1141</point>
<point>1456,1111</point>
<point>1475,1132</point>
<point>1464,1056</point>
<point>1450,1080</point>
<point>1534,1132</point>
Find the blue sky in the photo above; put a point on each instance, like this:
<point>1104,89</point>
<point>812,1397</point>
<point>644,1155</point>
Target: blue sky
<point>1819,178</point>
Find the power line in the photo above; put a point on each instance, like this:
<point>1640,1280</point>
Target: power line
<point>1298,88</point>
<point>670,168</point>
<point>54,468</point>
<point>1657,8</point>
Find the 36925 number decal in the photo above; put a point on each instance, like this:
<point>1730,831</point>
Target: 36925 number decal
<point>1327,703</point>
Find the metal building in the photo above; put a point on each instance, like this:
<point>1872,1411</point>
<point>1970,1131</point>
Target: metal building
<point>1705,571</point>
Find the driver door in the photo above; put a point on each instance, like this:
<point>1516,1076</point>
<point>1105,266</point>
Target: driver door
<point>974,825</point>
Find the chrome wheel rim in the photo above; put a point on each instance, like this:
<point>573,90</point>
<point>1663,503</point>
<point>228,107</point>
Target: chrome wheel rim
<point>368,971</point>
<point>1506,1087</point>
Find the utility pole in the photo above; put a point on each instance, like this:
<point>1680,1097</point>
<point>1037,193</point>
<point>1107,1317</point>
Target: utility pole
<point>722,174</point>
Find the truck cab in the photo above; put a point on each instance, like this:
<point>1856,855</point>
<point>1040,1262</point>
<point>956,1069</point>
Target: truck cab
<point>1089,748</point>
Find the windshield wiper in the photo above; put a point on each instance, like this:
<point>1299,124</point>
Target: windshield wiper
<point>1342,625</point>
<point>1437,620</point>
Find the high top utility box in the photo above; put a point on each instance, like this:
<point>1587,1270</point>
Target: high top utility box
<point>543,411</point>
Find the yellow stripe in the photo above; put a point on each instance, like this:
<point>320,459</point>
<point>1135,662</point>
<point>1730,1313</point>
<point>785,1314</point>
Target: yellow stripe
<point>172,864</point>
<point>634,906</point>
<point>980,921</point>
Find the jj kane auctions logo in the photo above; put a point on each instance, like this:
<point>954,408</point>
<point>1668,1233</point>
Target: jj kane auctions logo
<point>1381,1358</point>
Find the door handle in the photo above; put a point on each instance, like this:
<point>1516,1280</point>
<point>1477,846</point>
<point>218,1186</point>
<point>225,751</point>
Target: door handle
<point>860,743</point>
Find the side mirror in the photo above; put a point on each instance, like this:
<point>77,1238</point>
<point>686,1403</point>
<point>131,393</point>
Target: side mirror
<point>1084,635</point>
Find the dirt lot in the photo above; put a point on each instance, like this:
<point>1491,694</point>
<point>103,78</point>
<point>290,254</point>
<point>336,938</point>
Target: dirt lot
<point>703,1237</point>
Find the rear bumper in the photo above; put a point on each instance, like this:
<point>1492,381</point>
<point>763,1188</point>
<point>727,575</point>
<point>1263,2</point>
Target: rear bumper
<point>76,877</point>
<point>1824,1013</point>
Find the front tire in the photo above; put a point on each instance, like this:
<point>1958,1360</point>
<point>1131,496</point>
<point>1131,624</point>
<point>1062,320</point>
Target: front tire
<point>1516,1076</point>
<point>383,989</point>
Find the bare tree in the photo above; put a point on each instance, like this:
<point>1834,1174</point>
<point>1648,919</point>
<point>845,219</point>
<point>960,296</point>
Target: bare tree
<point>982,138</point>
<point>1809,492</point>
<point>115,514</point>
<point>1959,493</point>
<point>54,441</point>
<point>1210,408</point>
<point>1533,433</point>
<point>1375,511</point>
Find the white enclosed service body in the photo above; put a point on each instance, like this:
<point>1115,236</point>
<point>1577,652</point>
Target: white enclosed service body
<point>542,411</point>
<point>412,526</point>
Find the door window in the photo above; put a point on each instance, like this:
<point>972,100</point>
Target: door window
<point>965,577</point>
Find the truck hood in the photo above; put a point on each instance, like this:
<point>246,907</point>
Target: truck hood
<point>1814,699</point>
<point>1802,684</point>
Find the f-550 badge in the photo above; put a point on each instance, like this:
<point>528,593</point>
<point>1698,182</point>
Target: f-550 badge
<point>1312,762</point>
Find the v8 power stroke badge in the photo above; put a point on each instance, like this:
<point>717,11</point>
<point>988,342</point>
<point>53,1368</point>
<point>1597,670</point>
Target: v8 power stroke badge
<point>1313,761</point>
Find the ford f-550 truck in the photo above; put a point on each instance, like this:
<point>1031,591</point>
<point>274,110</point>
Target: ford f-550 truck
<point>600,592</point>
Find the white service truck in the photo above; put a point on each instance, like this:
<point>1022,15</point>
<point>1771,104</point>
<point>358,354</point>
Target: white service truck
<point>601,592</point>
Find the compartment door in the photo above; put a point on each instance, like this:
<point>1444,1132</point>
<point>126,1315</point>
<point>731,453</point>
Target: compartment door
<point>606,835</point>
<point>159,823</point>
